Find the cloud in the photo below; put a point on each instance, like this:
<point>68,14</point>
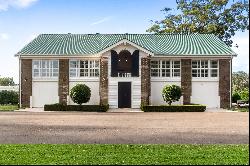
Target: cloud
<point>101,21</point>
<point>241,62</point>
<point>4,36</point>
<point>6,4</point>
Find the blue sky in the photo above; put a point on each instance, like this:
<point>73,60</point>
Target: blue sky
<point>22,20</point>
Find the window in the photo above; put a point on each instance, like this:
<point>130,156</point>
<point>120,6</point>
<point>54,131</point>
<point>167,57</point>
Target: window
<point>84,68</point>
<point>45,68</point>
<point>155,68</point>
<point>164,68</point>
<point>204,68</point>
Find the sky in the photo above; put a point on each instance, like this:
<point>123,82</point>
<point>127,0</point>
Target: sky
<point>22,20</point>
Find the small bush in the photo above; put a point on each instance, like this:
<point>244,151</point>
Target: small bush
<point>83,108</point>
<point>244,95</point>
<point>80,93</point>
<point>9,97</point>
<point>235,97</point>
<point>171,93</point>
<point>174,108</point>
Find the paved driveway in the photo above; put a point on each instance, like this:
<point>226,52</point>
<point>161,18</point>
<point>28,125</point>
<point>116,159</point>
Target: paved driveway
<point>129,128</point>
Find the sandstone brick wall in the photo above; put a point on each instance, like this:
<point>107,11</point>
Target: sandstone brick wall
<point>224,83</point>
<point>186,80</point>
<point>104,81</point>
<point>63,81</point>
<point>145,81</point>
<point>26,82</point>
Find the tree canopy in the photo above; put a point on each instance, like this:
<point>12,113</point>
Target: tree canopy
<point>7,81</point>
<point>240,81</point>
<point>219,17</point>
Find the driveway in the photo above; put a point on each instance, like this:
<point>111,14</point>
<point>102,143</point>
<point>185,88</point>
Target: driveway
<point>124,128</point>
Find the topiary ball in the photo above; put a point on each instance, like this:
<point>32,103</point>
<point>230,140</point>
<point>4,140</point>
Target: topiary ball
<point>80,93</point>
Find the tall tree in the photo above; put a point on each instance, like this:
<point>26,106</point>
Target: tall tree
<point>219,17</point>
<point>6,81</point>
<point>240,81</point>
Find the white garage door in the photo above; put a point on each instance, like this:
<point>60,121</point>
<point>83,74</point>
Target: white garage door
<point>44,93</point>
<point>206,93</point>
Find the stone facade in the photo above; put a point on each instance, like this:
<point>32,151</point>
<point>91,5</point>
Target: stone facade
<point>186,80</point>
<point>104,80</point>
<point>26,82</point>
<point>224,83</point>
<point>63,81</point>
<point>145,80</point>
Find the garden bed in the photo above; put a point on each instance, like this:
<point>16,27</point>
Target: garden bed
<point>174,108</point>
<point>82,108</point>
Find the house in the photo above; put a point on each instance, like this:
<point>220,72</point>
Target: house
<point>126,70</point>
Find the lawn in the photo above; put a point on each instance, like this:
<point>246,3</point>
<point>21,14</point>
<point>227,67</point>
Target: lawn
<point>44,154</point>
<point>8,107</point>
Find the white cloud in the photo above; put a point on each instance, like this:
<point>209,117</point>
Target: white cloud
<point>241,62</point>
<point>101,21</point>
<point>6,4</point>
<point>4,36</point>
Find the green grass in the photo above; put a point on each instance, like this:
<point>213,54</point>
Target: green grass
<point>124,154</point>
<point>8,107</point>
<point>241,109</point>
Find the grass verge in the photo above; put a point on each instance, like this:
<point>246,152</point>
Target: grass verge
<point>8,107</point>
<point>44,154</point>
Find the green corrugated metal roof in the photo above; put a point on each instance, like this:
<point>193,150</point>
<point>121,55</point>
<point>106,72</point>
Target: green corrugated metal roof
<point>159,44</point>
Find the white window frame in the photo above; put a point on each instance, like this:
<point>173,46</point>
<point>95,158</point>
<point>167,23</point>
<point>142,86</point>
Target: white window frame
<point>78,68</point>
<point>50,74</point>
<point>209,68</point>
<point>172,68</point>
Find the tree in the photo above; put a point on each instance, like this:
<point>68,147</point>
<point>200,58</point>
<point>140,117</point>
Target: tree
<point>244,94</point>
<point>6,81</point>
<point>80,93</point>
<point>171,93</point>
<point>205,16</point>
<point>240,81</point>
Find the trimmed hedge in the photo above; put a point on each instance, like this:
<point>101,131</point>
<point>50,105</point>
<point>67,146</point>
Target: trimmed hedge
<point>174,108</point>
<point>82,108</point>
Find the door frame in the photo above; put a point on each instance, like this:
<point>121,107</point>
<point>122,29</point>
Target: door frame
<point>131,93</point>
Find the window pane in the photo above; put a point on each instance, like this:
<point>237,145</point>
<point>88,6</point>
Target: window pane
<point>194,64</point>
<point>154,64</point>
<point>154,72</point>
<point>73,64</point>
<point>196,72</point>
<point>214,73</point>
<point>35,64</point>
<point>97,72</point>
<point>72,72</point>
<point>176,64</point>
<point>55,64</point>
<point>165,72</point>
<point>96,64</point>
<point>83,64</point>
<point>214,64</point>
<point>176,72</point>
<point>204,64</point>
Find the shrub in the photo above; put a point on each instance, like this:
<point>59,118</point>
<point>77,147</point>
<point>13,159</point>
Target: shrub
<point>80,93</point>
<point>244,94</point>
<point>174,108</point>
<point>9,97</point>
<point>235,97</point>
<point>171,93</point>
<point>83,108</point>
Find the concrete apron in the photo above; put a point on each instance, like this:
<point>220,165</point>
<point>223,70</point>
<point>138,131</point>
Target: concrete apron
<point>124,110</point>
